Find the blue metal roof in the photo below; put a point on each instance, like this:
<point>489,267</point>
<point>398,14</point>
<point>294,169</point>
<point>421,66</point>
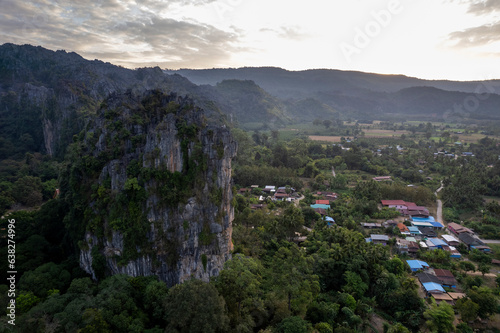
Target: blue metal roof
<point>417,264</point>
<point>437,225</point>
<point>438,242</point>
<point>320,206</point>
<point>423,219</point>
<point>433,286</point>
<point>421,224</point>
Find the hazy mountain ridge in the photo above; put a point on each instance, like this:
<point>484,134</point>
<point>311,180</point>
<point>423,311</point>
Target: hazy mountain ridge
<point>358,94</point>
<point>274,79</point>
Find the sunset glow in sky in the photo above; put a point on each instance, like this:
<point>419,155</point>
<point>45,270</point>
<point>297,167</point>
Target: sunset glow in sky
<point>432,39</point>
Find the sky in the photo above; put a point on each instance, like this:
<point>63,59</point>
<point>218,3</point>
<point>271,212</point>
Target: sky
<point>430,39</point>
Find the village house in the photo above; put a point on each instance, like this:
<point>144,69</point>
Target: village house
<point>435,243</point>
<point>398,204</point>
<point>281,196</point>
<point>473,242</point>
<point>383,179</point>
<point>443,298</point>
<point>428,221</point>
<point>458,229</point>
<point>414,231</point>
<point>368,225</point>
<point>390,223</point>
<point>405,246</point>
<point>446,277</point>
<point>320,211</point>
<point>323,206</point>
<point>403,229</point>
<point>425,277</point>
<point>270,189</point>
<point>330,222</point>
<point>379,239</point>
<point>433,288</point>
<point>453,251</point>
<point>243,190</point>
<point>452,241</point>
<point>330,196</point>
<point>406,208</point>
<point>416,265</point>
<point>427,232</point>
<point>456,296</point>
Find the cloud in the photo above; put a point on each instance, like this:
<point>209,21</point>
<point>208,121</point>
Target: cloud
<point>477,36</point>
<point>126,32</point>
<point>287,32</point>
<point>484,7</point>
<point>482,35</point>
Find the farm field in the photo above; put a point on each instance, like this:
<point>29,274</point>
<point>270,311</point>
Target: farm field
<point>380,133</point>
<point>325,138</point>
<point>369,133</point>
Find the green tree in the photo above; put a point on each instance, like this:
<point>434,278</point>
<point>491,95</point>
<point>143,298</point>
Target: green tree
<point>398,328</point>
<point>464,328</point>
<point>118,305</point>
<point>291,221</point>
<point>195,306</point>
<point>480,257</point>
<point>44,278</point>
<point>395,266</point>
<point>354,284</point>
<point>25,301</point>
<point>28,190</point>
<point>291,276</point>
<point>467,309</point>
<point>440,317</point>
<point>293,325</point>
<point>483,297</point>
<point>240,285</point>
<point>154,296</point>
<point>463,195</point>
<point>95,323</point>
<point>483,268</point>
<point>467,266</point>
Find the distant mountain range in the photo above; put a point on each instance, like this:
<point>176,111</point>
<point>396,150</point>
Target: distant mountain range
<point>355,95</point>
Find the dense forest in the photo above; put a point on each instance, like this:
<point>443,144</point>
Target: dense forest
<point>290,269</point>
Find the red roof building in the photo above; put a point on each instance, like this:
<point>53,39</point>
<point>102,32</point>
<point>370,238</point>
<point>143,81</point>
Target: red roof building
<point>402,228</point>
<point>393,203</point>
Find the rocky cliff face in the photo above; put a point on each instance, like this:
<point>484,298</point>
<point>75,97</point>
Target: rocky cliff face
<point>151,188</point>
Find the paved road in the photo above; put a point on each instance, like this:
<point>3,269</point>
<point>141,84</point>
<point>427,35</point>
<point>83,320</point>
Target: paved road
<point>491,241</point>
<point>439,211</point>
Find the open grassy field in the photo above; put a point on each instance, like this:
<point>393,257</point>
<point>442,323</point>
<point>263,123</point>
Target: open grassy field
<point>471,138</point>
<point>369,133</point>
<point>324,138</point>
